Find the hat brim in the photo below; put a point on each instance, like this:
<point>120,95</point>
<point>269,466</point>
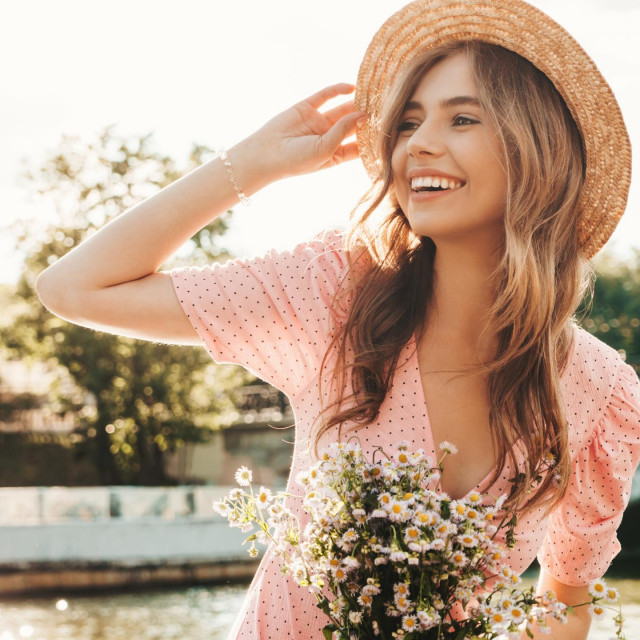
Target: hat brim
<point>519,27</point>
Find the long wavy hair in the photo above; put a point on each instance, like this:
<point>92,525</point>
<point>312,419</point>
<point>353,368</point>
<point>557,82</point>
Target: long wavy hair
<point>539,282</point>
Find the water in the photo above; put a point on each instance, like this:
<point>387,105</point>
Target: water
<point>196,613</point>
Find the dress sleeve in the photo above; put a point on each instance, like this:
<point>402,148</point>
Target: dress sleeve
<point>580,541</point>
<point>269,314</point>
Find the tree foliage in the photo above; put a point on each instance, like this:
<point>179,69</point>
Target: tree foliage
<point>135,399</point>
<point>614,316</point>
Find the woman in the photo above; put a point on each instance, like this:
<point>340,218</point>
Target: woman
<point>439,315</point>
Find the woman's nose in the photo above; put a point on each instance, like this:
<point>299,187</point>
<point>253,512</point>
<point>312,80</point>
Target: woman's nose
<point>426,139</point>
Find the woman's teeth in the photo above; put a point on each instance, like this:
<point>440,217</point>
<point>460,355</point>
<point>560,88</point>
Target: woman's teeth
<point>427,183</point>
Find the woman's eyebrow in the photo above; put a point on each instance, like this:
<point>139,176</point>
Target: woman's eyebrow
<point>447,102</point>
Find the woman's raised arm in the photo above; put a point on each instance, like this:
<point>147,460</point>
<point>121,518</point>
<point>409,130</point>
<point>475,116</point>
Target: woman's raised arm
<point>110,282</point>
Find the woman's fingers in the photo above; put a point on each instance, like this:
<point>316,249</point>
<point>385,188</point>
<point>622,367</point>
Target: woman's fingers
<point>343,128</point>
<point>347,152</point>
<point>319,98</point>
<point>333,115</point>
<point>304,139</point>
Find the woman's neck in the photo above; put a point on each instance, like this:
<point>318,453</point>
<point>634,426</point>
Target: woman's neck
<point>463,294</point>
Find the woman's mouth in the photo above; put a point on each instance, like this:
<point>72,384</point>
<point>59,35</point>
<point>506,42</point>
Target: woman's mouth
<point>430,187</point>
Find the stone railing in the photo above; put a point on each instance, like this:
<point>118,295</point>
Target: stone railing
<point>42,526</point>
<point>49,505</point>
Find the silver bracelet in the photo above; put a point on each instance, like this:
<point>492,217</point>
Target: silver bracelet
<point>227,163</point>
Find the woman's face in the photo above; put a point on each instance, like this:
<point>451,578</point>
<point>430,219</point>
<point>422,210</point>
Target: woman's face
<point>438,133</point>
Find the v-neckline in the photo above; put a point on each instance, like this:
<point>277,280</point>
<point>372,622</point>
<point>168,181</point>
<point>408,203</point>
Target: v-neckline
<point>414,363</point>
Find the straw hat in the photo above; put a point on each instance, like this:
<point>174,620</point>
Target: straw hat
<point>514,25</point>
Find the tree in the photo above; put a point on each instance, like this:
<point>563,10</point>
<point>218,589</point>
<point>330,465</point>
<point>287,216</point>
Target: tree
<point>135,400</point>
<point>614,316</point>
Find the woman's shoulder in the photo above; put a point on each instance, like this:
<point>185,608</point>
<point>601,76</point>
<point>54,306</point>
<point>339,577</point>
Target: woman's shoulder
<point>330,239</point>
<point>325,250</point>
<point>591,358</point>
<point>597,382</point>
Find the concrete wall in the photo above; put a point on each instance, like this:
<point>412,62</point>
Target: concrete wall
<point>265,448</point>
<point>114,524</point>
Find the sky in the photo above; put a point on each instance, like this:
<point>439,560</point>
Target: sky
<point>212,73</point>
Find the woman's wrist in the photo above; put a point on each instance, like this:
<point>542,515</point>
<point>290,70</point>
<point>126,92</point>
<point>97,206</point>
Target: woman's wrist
<point>249,162</point>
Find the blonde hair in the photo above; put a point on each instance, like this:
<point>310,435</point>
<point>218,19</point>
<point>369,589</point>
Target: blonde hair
<point>540,280</point>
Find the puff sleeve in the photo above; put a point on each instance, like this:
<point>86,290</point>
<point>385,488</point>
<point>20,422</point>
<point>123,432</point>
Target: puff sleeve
<point>269,314</point>
<point>580,541</point>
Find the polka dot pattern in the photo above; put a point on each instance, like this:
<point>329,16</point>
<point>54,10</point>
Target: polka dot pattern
<point>271,315</point>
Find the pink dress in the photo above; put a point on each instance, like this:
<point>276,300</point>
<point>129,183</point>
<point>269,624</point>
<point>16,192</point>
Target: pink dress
<point>271,315</point>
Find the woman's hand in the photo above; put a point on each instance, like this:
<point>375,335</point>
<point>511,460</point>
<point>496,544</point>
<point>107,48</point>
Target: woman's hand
<point>302,139</point>
<point>110,281</point>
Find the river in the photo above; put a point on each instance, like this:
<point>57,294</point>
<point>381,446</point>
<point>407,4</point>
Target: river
<point>196,613</point>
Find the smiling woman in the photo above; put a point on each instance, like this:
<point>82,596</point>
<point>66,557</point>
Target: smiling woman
<point>438,139</point>
<point>449,318</point>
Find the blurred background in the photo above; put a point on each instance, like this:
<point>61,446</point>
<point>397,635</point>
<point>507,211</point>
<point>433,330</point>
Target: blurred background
<point>111,450</point>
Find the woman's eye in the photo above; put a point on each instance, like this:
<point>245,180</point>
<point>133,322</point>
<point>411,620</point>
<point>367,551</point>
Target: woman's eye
<point>405,126</point>
<point>458,121</point>
<point>468,120</point>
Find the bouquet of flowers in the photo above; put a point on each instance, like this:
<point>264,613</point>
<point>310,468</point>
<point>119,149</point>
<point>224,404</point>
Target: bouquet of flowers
<point>389,555</point>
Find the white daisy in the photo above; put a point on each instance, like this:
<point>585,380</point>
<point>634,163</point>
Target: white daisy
<point>221,508</point>
<point>355,617</point>
<point>365,600</point>
<point>402,603</point>
<point>612,595</point>
<point>598,588</point>
<point>428,620</point>
<point>264,496</point>
<point>244,476</point>
<point>339,574</point>
<point>409,623</point>
<point>468,540</point>
<point>411,534</point>
<point>448,447</point>
<point>459,559</point>
<point>336,606</point>
<point>302,478</point>
<point>371,589</point>
<point>398,556</point>
<point>401,588</point>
